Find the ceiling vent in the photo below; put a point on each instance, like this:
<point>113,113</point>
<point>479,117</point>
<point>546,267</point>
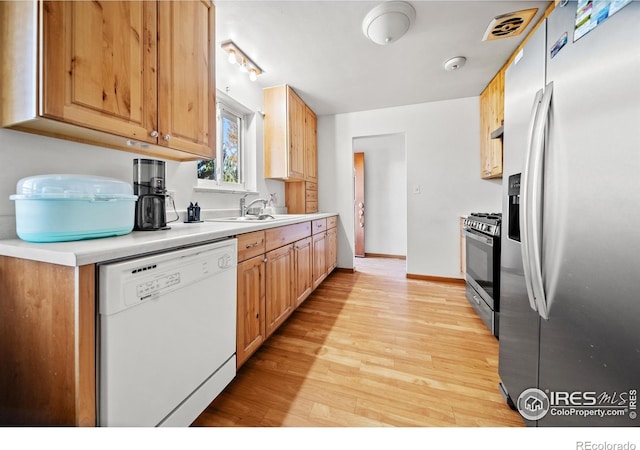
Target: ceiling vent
<point>508,25</point>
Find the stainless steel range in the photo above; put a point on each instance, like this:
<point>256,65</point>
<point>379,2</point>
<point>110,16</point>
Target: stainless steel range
<point>482,231</point>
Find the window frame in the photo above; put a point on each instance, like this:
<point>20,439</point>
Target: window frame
<point>223,109</point>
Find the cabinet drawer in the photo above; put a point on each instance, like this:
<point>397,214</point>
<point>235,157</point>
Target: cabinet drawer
<point>278,237</point>
<point>311,207</point>
<point>332,222</point>
<point>250,245</point>
<point>311,196</point>
<point>309,186</point>
<point>319,225</point>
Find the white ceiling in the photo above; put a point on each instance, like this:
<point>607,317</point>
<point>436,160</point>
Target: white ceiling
<point>318,48</point>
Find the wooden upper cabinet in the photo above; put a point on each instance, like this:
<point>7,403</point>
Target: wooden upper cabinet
<point>106,83</point>
<point>297,135</point>
<point>186,76</point>
<point>133,75</point>
<point>491,120</point>
<point>310,146</point>
<point>286,136</point>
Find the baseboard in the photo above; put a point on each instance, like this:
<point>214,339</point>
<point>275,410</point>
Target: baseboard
<point>343,270</point>
<point>383,255</point>
<point>436,279</point>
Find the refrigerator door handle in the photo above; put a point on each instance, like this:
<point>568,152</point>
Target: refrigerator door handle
<point>524,202</point>
<point>536,194</point>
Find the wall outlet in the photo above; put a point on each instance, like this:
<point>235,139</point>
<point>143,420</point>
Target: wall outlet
<point>171,195</point>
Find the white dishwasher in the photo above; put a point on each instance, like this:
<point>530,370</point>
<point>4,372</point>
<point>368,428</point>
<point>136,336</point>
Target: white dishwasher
<point>167,335</point>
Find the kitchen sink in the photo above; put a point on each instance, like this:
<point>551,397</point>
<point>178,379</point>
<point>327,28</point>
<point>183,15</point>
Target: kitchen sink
<point>260,218</point>
<point>243,219</point>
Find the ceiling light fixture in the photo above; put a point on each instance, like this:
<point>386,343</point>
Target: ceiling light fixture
<point>388,22</point>
<point>238,56</point>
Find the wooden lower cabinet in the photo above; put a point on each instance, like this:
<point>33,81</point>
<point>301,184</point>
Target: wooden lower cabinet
<point>47,344</point>
<point>278,269</point>
<point>319,258</point>
<point>280,287</point>
<point>302,267</point>
<point>251,307</point>
<point>331,249</point>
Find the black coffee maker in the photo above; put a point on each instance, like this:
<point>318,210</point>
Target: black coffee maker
<point>149,186</point>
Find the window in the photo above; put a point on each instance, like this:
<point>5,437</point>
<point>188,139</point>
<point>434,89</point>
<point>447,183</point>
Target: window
<point>226,168</point>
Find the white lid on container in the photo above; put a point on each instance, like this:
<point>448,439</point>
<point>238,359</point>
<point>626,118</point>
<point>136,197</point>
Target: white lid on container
<point>70,187</point>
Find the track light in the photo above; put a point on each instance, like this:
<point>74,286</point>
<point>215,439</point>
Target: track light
<point>238,56</point>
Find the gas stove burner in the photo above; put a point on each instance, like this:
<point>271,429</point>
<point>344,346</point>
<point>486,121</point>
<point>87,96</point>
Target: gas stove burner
<point>488,215</point>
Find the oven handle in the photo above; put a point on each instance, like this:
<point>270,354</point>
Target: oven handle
<point>524,202</point>
<point>536,203</point>
<point>479,237</point>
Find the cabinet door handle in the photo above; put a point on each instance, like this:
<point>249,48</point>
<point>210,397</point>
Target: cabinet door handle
<point>167,137</point>
<point>255,244</point>
<point>153,134</point>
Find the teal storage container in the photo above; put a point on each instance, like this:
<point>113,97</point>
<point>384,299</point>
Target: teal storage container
<point>57,208</point>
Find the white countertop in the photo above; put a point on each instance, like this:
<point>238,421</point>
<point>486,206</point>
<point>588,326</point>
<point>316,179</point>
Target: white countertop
<point>91,251</point>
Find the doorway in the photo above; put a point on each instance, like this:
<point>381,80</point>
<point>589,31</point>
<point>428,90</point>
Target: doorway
<point>380,196</point>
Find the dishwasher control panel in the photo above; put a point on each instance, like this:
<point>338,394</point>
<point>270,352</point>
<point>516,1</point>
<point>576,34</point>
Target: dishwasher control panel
<point>225,261</point>
<point>148,288</point>
<point>135,282</point>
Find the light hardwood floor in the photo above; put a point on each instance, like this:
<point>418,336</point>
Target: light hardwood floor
<point>371,348</point>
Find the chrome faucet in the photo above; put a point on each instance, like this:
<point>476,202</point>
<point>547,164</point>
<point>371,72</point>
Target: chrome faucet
<point>244,208</point>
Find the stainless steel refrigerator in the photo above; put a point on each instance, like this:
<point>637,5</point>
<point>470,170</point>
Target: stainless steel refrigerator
<point>570,261</point>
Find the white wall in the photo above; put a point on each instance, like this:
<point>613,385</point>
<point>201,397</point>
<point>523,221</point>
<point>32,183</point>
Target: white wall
<point>23,154</point>
<point>443,158</point>
<point>385,173</point>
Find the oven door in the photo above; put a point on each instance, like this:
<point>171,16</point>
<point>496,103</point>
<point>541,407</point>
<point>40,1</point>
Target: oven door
<point>480,265</point>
